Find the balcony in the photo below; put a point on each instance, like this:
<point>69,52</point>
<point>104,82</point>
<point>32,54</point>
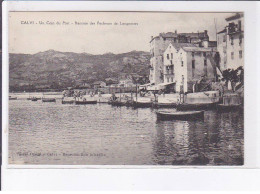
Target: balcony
<point>168,73</point>
<point>234,28</point>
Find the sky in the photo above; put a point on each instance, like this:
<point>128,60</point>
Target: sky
<point>60,32</point>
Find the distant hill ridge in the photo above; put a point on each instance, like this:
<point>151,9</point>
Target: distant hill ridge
<point>57,69</point>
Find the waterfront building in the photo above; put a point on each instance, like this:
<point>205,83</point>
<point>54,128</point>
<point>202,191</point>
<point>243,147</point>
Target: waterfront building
<point>230,42</point>
<point>159,43</point>
<point>128,82</point>
<point>186,64</point>
<point>99,84</point>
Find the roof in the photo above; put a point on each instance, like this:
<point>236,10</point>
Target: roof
<point>179,45</point>
<point>212,44</point>
<point>223,31</point>
<point>165,84</point>
<point>198,49</point>
<point>169,35</point>
<point>236,16</point>
<point>194,34</point>
<point>98,82</point>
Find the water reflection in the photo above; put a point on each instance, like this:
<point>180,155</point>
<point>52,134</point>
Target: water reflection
<point>218,140</point>
<point>101,134</point>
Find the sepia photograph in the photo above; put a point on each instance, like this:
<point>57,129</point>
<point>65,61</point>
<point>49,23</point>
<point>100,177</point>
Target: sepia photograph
<point>126,88</point>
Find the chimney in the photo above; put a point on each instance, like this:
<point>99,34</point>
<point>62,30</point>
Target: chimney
<point>206,32</point>
<point>175,31</point>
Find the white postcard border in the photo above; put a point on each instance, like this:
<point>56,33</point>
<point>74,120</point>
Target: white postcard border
<point>252,151</point>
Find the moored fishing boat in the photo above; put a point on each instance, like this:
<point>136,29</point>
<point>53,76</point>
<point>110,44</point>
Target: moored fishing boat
<point>231,102</point>
<point>12,98</point>
<point>67,101</point>
<point>180,115</point>
<point>82,102</point>
<point>117,103</point>
<point>140,104</point>
<point>48,100</point>
<point>164,105</point>
<point>34,99</point>
<point>196,106</point>
<point>228,108</point>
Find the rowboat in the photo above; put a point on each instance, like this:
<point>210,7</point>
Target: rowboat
<point>48,100</point>
<point>34,99</point>
<point>180,115</point>
<point>228,107</point>
<point>86,102</point>
<point>117,103</point>
<point>12,98</point>
<point>67,101</point>
<point>197,106</point>
<point>138,104</point>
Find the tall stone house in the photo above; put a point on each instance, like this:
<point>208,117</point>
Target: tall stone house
<point>230,43</point>
<point>186,64</point>
<point>158,45</point>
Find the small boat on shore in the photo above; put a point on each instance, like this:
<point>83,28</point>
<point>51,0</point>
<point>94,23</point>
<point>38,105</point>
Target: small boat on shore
<point>180,115</point>
<point>48,100</point>
<point>34,99</point>
<point>12,98</point>
<point>196,106</point>
<point>85,102</point>
<point>228,107</point>
<point>67,101</point>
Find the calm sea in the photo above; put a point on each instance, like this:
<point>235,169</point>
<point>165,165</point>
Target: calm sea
<point>52,133</point>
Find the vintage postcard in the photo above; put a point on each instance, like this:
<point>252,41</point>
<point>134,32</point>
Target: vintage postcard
<point>126,88</point>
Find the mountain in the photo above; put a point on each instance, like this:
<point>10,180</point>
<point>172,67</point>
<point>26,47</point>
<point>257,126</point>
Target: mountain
<point>54,69</point>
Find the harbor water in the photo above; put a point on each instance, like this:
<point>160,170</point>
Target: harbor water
<point>99,134</point>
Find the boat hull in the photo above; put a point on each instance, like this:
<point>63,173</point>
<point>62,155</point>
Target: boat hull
<point>164,105</point>
<point>202,106</point>
<point>12,98</point>
<point>48,100</point>
<point>229,108</point>
<point>85,102</point>
<point>67,102</point>
<point>181,115</point>
<point>142,104</point>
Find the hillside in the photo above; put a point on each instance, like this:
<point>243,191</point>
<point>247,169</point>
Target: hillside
<point>55,69</point>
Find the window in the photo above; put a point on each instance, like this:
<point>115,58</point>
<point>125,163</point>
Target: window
<point>182,63</point>
<point>168,56</point>
<point>224,38</point>
<point>171,55</point>
<point>192,54</point>
<point>193,68</point>
<point>193,64</point>
<point>168,79</point>
<point>232,55</point>
<point>204,54</point>
<point>172,79</point>
<point>239,25</point>
<point>205,68</point>
<point>164,39</point>
<point>240,40</point>
<point>240,54</point>
<point>232,40</point>
<point>171,62</point>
